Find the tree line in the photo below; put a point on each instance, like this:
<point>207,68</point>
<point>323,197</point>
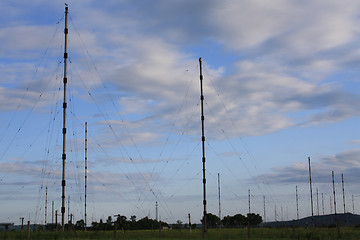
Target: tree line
<point>213,221</point>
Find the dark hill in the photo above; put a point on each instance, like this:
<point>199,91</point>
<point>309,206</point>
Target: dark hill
<point>347,219</point>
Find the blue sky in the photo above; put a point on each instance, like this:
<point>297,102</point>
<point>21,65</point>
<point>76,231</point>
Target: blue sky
<point>280,84</point>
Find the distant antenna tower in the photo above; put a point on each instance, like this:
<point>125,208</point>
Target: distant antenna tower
<point>264,209</point>
<point>219,196</point>
<point>297,204</point>
<point>69,208</point>
<point>331,204</point>
<point>249,200</point>
<point>85,173</point>
<point>156,211</point>
<point>46,206</point>
<point>322,201</point>
<point>317,202</point>
<point>311,197</point>
<point>343,190</point>
<point>52,213</point>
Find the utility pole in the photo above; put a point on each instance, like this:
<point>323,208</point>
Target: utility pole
<point>353,205</point>
<point>85,173</point>
<point>204,229</point>
<point>343,190</point>
<point>311,197</point>
<point>63,182</point>
<point>219,196</point>
<point>275,214</point>
<point>297,204</point>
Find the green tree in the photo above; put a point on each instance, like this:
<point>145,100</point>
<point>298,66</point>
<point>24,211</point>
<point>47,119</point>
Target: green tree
<point>80,225</point>
<point>255,219</point>
<point>212,221</point>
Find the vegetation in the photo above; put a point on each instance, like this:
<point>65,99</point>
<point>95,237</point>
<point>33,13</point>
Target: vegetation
<point>231,233</point>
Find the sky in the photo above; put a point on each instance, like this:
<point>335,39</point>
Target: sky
<point>280,85</point>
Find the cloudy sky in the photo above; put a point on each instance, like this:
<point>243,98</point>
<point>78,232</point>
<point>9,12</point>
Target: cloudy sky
<point>280,84</point>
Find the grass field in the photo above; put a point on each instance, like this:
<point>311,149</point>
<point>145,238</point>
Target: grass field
<point>256,234</point>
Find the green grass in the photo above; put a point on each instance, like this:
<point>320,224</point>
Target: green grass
<point>223,234</point>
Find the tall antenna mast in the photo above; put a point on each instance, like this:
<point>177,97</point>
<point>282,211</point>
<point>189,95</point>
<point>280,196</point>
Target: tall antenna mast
<point>343,190</point>
<point>219,196</point>
<point>297,203</point>
<point>311,197</point>
<point>203,148</point>
<point>85,172</point>
<point>63,183</point>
